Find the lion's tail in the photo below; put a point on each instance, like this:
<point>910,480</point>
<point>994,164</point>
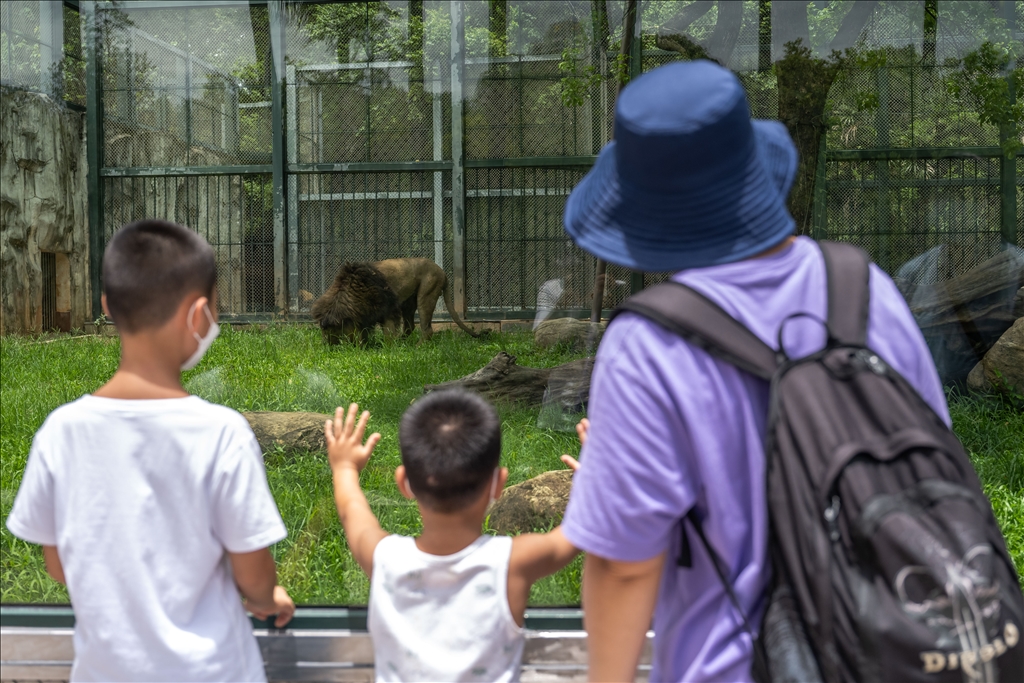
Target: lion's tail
<point>446,294</point>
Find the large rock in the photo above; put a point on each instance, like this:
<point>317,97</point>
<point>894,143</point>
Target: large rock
<point>1002,368</point>
<point>43,208</point>
<point>535,504</point>
<point>963,317</point>
<point>290,431</point>
<point>577,334</point>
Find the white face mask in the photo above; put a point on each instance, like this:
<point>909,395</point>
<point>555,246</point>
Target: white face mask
<point>204,342</point>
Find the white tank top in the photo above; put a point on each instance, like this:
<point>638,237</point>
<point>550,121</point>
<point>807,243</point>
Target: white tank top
<point>443,617</point>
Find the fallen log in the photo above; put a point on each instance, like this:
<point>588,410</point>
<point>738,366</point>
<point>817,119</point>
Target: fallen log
<point>503,381</point>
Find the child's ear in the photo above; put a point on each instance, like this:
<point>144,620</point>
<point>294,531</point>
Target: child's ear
<point>502,480</point>
<point>103,303</point>
<point>403,483</point>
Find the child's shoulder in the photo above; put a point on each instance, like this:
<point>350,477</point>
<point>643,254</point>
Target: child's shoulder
<point>147,415</point>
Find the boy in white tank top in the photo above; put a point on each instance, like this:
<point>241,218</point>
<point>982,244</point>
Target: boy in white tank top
<point>449,604</point>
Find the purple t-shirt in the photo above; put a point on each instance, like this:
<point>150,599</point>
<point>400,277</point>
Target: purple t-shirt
<point>672,426</point>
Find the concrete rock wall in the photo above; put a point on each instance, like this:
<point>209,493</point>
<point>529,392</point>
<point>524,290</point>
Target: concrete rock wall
<point>43,207</point>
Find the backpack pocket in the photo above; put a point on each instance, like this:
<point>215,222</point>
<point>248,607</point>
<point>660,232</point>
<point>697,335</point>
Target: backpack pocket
<point>940,604</point>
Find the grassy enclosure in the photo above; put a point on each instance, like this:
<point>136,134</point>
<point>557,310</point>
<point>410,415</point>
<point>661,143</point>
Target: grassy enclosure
<point>287,368</point>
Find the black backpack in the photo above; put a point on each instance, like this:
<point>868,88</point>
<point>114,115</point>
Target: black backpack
<point>887,561</point>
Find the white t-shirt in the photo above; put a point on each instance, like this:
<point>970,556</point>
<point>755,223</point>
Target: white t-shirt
<point>443,617</point>
<point>143,499</point>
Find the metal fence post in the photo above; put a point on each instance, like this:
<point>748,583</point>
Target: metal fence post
<point>458,61</point>
<point>94,150</point>
<point>1008,162</point>
<point>275,15</point>
<point>292,117</point>
<point>819,206</point>
<point>636,67</point>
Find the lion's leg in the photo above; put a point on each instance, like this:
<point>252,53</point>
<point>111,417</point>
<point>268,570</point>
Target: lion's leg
<point>409,315</point>
<point>427,302</point>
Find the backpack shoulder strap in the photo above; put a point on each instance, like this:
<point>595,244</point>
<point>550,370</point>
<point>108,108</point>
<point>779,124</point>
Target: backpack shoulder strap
<point>703,323</point>
<point>847,272</point>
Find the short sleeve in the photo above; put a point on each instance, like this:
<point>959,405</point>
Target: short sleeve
<point>634,484</point>
<point>245,517</point>
<point>33,516</point>
<point>895,333</point>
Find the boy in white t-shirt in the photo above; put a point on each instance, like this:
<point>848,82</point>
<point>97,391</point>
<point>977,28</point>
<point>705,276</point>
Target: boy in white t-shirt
<point>449,604</point>
<point>150,504</point>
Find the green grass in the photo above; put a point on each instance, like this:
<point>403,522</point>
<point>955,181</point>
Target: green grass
<point>288,368</point>
<point>283,368</point>
<point>992,431</point>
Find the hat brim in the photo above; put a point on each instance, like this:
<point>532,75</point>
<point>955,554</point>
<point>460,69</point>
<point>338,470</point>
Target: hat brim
<point>722,221</point>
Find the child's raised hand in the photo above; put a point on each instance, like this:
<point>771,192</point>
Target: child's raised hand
<point>582,428</point>
<point>345,439</point>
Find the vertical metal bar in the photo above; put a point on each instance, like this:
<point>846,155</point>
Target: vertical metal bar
<point>458,57</point>
<point>636,66</point>
<point>94,149</point>
<point>598,105</point>
<point>292,112</point>
<point>1008,162</point>
<point>188,105</point>
<point>882,216</point>
<point>819,207</point>
<point>630,26</point>
<point>275,15</point>
<point>50,16</point>
<point>438,194</point>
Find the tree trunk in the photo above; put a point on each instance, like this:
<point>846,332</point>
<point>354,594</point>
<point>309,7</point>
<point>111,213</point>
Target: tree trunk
<point>804,82</point>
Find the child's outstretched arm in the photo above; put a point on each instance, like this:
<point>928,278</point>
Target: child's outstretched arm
<point>535,556</point>
<point>348,455</point>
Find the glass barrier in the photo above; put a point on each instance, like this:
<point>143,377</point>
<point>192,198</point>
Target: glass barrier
<point>300,136</point>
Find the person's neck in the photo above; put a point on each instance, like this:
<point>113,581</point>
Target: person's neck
<point>446,533</point>
<point>147,371</point>
<point>777,248</point>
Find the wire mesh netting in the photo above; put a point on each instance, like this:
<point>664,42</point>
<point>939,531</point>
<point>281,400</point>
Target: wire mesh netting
<point>186,87</point>
<point>232,212</point>
<point>41,48</point>
<point>898,210</point>
<point>369,217</point>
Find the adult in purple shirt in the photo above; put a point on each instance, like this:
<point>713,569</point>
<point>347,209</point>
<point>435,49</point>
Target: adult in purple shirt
<point>691,184</point>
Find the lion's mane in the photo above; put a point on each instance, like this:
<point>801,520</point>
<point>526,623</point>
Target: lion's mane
<point>359,294</point>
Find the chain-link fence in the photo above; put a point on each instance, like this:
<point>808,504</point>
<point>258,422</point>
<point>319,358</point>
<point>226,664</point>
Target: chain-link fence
<point>41,48</point>
<point>298,136</point>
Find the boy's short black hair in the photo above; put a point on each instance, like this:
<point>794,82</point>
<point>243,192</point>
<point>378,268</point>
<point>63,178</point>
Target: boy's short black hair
<point>451,443</point>
<point>149,267</point>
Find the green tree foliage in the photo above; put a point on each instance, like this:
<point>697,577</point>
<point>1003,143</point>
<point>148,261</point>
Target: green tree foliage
<point>985,83</point>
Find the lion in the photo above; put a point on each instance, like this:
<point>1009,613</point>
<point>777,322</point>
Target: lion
<point>358,299</point>
<point>417,283</point>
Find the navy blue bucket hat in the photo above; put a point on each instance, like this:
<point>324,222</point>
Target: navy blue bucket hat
<point>689,180</point>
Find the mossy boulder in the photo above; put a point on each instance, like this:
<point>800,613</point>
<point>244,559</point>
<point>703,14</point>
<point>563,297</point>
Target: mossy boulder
<point>535,504</point>
<point>577,334</point>
<point>1002,368</point>
<point>288,431</point>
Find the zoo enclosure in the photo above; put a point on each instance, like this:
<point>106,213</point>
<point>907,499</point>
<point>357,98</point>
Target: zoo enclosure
<point>295,136</point>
